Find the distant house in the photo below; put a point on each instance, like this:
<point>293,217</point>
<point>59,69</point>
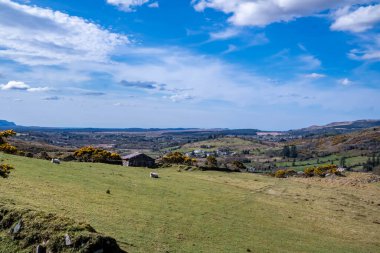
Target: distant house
<point>138,160</point>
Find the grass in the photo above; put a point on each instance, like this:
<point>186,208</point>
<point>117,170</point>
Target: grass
<point>354,161</point>
<point>198,211</point>
<point>235,144</point>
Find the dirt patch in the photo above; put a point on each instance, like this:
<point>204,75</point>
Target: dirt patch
<point>30,229</point>
<point>355,179</point>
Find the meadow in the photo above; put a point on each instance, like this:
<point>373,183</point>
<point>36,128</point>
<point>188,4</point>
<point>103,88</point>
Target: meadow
<point>198,211</point>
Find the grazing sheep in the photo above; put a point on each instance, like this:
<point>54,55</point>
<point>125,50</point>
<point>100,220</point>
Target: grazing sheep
<point>55,161</point>
<point>154,175</point>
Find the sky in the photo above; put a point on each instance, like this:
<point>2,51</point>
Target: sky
<point>263,64</point>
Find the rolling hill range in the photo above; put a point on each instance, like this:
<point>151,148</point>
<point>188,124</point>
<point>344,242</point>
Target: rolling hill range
<point>337,127</point>
<point>198,211</point>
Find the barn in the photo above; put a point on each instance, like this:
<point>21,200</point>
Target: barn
<point>138,160</point>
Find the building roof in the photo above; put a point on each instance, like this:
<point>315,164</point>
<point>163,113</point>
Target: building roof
<point>135,155</point>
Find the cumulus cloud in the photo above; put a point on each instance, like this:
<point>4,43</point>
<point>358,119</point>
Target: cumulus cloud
<point>18,85</point>
<point>129,5</point>
<point>262,13</point>
<point>33,36</point>
<point>15,85</point>
<point>359,20</point>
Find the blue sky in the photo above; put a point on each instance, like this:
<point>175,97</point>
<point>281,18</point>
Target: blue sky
<point>272,65</point>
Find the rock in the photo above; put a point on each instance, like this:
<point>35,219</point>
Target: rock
<point>68,240</point>
<point>16,229</point>
<point>40,249</point>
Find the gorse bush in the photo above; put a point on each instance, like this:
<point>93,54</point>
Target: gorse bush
<point>280,174</point>
<point>5,169</point>
<point>9,149</point>
<point>322,171</point>
<point>178,158</point>
<point>96,155</point>
<point>284,173</point>
<point>4,146</point>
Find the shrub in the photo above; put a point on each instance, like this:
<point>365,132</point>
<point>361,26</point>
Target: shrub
<point>9,149</point>
<point>211,162</point>
<point>238,166</point>
<point>175,157</point>
<point>319,172</point>
<point>309,172</point>
<point>5,169</point>
<point>280,174</point>
<point>4,146</point>
<point>96,155</point>
<point>322,171</point>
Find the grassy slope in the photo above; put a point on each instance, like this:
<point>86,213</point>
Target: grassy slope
<point>234,143</point>
<point>199,211</point>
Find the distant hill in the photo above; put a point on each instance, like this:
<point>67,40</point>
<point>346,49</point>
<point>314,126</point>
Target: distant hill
<point>364,141</point>
<point>4,123</point>
<point>336,128</point>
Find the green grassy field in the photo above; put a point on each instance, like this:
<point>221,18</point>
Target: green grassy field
<point>198,211</point>
<point>300,165</point>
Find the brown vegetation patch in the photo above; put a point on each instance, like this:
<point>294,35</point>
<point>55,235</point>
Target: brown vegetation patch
<point>355,179</point>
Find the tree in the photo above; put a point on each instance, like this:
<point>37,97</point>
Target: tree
<point>286,151</point>
<point>342,161</point>
<point>211,162</point>
<point>293,152</point>
<point>238,166</point>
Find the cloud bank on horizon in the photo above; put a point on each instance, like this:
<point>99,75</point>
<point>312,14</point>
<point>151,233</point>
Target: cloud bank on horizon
<point>273,64</point>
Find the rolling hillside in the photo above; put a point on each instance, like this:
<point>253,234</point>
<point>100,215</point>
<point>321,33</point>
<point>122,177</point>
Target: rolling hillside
<point>198,211</point>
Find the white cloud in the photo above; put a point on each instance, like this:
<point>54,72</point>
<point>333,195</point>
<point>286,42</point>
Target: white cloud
<point>39,36</point>
<point>129,5</point>
<point>18,85</point>
<point>359,20</point>
<point>39,89</point>
<point>345,81</point>
<point>154,5</point>
<point>309,61</point>
<point>370,49</point>
<point>14,85</point>
<point>262,13</point>
<point>315,76</point>
<point>225,34</point>
<point>180,97</point>
<point>231,48</point>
